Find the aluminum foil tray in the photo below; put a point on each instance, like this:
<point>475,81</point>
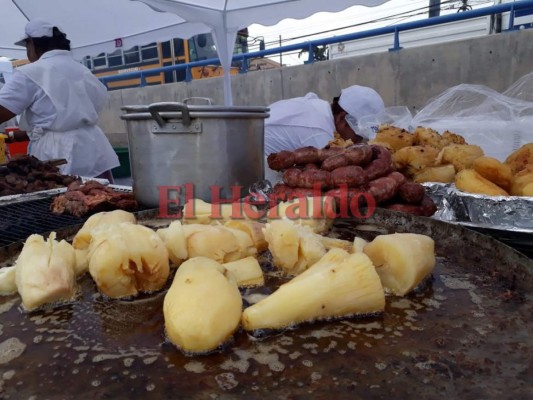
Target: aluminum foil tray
<point>506,218</point>
<point>497,212</point>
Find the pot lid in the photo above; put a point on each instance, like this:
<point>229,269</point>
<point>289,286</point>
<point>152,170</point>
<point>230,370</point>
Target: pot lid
<point>177,110</point>
<point>191,104</point>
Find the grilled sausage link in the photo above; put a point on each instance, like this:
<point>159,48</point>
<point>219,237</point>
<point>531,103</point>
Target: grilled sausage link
<point>354,155</point>
<point>411,193</point>
<point>386,187</point>
<point>280,161</point>
<point>312,178</point>
<point>335,161</point>
<point>307,178</point>
<point>359,154</point>
<point>425,209</point>
<point>306,155</point>
<point>350,175</point>
<point>381,163</point>
<point>291,177</point>
<point>284,192</point>
<point>326,153</point>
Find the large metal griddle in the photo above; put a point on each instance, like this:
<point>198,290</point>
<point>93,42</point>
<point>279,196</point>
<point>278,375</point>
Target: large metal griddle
<point>466,333</point>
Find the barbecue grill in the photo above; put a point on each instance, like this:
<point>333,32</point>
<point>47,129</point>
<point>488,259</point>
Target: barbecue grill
<point>20,220</point>
<point>30,213</point>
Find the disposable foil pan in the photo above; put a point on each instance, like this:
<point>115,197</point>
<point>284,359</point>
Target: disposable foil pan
<point>510,213</point>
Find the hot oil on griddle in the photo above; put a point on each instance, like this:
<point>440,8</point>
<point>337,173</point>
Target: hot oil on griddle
<point>442,340</point>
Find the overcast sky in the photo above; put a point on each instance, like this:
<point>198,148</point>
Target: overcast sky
<point>291,28</point>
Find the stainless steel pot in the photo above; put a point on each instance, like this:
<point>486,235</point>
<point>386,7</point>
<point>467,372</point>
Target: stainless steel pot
<point>210,147</point>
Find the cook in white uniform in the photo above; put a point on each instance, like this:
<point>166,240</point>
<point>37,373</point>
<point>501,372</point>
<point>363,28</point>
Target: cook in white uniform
<point>59,100</point>
<point>310,121</point>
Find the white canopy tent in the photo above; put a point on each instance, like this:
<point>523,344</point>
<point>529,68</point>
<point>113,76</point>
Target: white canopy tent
<point>226,17</point>
<point>96,26</point>
<point>93,26</point>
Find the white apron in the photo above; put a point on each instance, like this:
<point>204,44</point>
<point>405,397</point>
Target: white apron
<point>77,97</point>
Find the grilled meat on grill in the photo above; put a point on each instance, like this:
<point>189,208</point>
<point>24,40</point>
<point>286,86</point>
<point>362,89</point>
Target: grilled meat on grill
<point>27,174</point>
<point>91,197</point>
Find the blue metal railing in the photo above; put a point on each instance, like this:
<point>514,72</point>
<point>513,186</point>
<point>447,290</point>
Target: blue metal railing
<point>395,29</point>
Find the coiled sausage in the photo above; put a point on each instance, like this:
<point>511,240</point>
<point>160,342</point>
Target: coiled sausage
<point>381,163</point>
<point>350,175</point>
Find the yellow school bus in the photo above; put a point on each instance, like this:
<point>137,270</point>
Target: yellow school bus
<point>156,55</point>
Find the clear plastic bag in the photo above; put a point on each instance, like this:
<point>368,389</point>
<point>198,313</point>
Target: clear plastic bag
<point>497,123</point>
<point>522,89</point>
<point>398,116</point>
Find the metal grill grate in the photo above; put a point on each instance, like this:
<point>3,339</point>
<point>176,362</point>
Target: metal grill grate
<point>18,221</point>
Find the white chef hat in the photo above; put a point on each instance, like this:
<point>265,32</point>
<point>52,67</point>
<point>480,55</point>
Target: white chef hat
<point>359,101</point>
<point>36,28</point>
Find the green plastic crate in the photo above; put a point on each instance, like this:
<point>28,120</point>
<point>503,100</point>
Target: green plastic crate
<point>124,158</point>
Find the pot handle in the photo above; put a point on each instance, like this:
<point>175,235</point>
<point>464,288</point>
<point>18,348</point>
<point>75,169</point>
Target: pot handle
<point>208,101</point>
<point>156,108</point>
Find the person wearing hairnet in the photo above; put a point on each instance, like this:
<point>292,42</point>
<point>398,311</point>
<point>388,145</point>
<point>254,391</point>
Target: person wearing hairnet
<point>59,100</point>
<point>310,121</point>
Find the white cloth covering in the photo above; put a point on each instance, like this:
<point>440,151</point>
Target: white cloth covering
<point>61,100</point>
<point>298,122</point>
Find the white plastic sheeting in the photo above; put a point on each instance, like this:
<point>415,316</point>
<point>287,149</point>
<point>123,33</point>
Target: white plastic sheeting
<point>522,89</point>
<point>497,123</point>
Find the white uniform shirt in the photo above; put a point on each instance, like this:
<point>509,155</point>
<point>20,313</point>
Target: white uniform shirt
<point>298,122</point>
<point>20,93</point>
<point>9,123</point>
<point>61,100</point>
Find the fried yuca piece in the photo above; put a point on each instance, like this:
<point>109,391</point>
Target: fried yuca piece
<point>127,259</point>
<point>197,211</point>
<point>44,271</point>
<point>253,228</point>
<point>470,181</point>
<point>413,159</point>
<point>402,260</point>
<point>8,284</point>
<point>441,173</point>
<point>174,238</point>
<point>448,138</point>
<point>247,272</point>
<point>395,138</point>
<point>520,158</point>
<point>428,137</point>
<point>528,190</point>
<point>294,247</point>
<point>317,212</point>
<point>338,141</point>
<point>521,180</point>
<point>495,171</point>
<point>203,307</point>
<point>83,238</point>
<point>218,242</point>
<point>338,285</point>
<point>461,156</point>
